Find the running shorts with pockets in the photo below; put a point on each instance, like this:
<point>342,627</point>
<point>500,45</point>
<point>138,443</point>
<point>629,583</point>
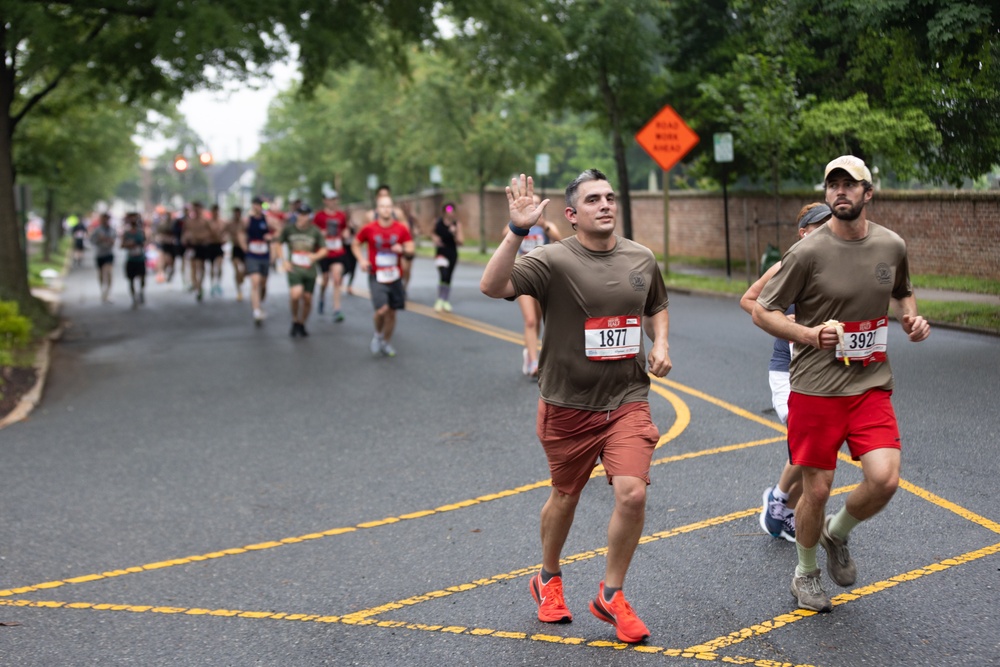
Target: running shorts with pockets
<point>818,425</point>
<point>623,439</point>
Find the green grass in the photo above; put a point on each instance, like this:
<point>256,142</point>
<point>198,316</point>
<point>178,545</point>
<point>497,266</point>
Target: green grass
<point>736,287</point>
<point>984,317</point>
<point>957,283</point>
<point>57,261</point>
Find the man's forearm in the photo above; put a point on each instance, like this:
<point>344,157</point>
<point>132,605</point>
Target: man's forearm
<point>496,277</point>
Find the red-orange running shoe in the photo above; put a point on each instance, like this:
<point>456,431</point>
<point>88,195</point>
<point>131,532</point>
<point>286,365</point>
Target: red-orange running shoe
<point>620,614</point>
<point>549,597</point>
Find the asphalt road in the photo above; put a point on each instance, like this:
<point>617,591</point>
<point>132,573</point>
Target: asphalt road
<point>195,491</point>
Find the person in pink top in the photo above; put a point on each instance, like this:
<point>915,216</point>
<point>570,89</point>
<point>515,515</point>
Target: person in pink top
<point>389,243</point>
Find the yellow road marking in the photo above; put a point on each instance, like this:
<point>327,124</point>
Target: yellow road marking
<point>706,651</point>
<point>365,614</point>
<point>683,419</point>
<point>422,627</point>
<point>784,619</point>
<point>746,414</point>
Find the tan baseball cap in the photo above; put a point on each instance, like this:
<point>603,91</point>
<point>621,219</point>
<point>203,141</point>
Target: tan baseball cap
<point>854,166</point>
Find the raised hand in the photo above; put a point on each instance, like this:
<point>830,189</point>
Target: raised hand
<point>520,199</point>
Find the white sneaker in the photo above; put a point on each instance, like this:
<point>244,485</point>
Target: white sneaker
<point>376,345</point>
<point>438,305</point>
<point>388,350</point>
<point>446,305</point>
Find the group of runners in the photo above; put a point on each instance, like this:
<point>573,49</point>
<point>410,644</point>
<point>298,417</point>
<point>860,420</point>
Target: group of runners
<point>826,303</point>
<point>312,249</point>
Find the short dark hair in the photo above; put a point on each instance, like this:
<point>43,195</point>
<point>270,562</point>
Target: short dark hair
<point>584,177</point>
<point>448,207</point>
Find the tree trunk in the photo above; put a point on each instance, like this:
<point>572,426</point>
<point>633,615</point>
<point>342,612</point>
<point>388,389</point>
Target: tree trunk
<point>13,264</point>
<point>13,268</point>
<point>624,198</point>
<point>618,144</point>
<point>482,213</point>
<point>51,231</point>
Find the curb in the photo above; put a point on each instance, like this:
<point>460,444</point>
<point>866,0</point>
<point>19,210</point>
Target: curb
<point>42,360</point>
<point>34,395</point>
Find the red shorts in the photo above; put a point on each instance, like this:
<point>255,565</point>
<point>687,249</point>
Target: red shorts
<point>574,440</point>
<point>817,425</point>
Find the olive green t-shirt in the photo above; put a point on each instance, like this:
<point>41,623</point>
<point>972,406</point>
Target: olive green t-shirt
<point>829,278</point>
<point>307,240</point>
<point>574,284</point>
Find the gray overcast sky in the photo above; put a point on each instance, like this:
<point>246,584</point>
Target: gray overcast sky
<point>230,121</point>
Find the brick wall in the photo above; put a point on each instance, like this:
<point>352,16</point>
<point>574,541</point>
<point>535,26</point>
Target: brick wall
<point>947,233</point>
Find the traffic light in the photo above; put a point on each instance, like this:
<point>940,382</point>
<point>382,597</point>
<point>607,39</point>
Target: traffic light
<point>180,163</point>
<point>205,158</point>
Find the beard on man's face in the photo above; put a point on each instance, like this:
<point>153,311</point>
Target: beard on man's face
<point>846,211</point>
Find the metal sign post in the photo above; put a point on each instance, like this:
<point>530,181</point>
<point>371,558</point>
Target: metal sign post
<point>724,155</point>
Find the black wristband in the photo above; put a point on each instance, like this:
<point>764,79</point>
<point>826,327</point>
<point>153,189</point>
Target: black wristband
<point>517,231</point>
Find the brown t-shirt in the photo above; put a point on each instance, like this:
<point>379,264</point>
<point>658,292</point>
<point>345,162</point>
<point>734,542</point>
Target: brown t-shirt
<point>574,284</point>
<point>827,277</point>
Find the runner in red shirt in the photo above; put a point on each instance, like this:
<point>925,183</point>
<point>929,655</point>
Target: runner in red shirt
<point>333,223</point>
<point>389,243</point>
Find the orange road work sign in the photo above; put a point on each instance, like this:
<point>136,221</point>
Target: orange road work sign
<point>667,138</point>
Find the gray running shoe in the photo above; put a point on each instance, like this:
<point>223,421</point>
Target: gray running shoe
<point>375,346</point>
<point>809,592</point>
<point>839,563</point>
<point>388,350</point>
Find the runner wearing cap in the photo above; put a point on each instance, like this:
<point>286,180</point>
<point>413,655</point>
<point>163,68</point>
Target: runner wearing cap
<point>842,279</point>
<point>777,515</point>
<point>306,245</point>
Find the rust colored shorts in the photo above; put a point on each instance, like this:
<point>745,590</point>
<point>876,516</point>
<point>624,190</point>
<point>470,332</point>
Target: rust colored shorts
<point>623,440</point>
<point>818,425</point>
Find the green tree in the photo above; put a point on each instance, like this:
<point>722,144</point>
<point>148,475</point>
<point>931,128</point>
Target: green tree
<point>154,50</point>
<point>74,150</point>
<point>613,68</point>
<point>478,134</point>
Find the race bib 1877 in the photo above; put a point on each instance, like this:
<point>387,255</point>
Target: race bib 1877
<point>611,338</point>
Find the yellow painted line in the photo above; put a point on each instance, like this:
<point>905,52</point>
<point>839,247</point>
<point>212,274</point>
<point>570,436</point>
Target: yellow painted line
<point>680,423</point>
<point>468,323</point>
<point>389,624</point>
<point>935,499</point>
<point>844,598</point>
<point>717,450</point>
<point>190,611</point>
<point>366,614</point>
<point>746,414</point>
<point>950,506</point>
